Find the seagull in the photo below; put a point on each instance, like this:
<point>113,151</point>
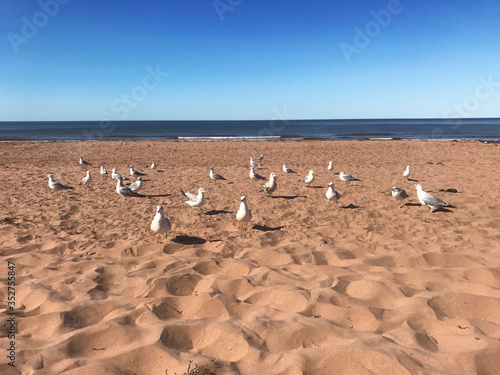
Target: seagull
<point>137,185</point>
<point>83,162</point>
<point>399,193</point>
<point>215,176</point>
<point>260,157</point>
<point>54,185</point>
<point>347,177</point>
<point>406,173</point>
<point>243,215</point>
<point>429,200</point>
<point>123,190</point>
<point>254,163</point>
<point>331,193</point>
<point>308,179</point>
<point>195,200</point>
<point>330,166</point>
<point>133,172</point>
<point>270,186</point>
<point>255,176</point>
<point>160,223</point>
<point>103,170</point>
<point>87,179</point>
<point>114,174</point>
<point>286,169</point>
<point>153,165</point>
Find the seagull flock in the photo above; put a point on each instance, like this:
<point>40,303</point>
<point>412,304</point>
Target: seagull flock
<point>161,224</point>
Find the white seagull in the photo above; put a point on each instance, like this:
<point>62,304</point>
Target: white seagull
<point>308,179</point>
<point>254,163</point>
<point>135,173</point>
<point>215,176</point>
<point>54,185</point>
<point>114,174</point>
<point>103,170</point>
<point>286,169</point>
<point>195,200</point>
<point>153,165</point>
<point>331,193</point>
<point>243,215</point>
<point>406,173</point>
<point>125,191</point>
<point>260,157</point>
<point>270,186</point>
<point>255,176</point>
<point>347,177</point>
<point>87,179</point>
<point>137,185</point>
<point>330,166</point>
<point>83,162</point>
<point>399,193</point>
<point>160,223</point>
<point>427,199</point>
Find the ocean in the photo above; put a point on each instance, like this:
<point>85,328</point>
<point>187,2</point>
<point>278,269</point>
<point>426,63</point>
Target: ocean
<point>483,129</point>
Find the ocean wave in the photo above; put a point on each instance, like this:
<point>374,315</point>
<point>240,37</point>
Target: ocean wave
<point>236,138</point>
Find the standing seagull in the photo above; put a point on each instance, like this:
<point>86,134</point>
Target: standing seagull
<point>331,193</point>
<point>215,176</point>
<point>429,200</point>
<point>160,223</point>
<point>125,191</point>
<point>83,162</point>
<point>153,165</point>
<point>347,177</point>
<point>54,185</point>
<point>308,179</point>
<point>87,179</point>
<point>286,169</point>
<point>270,186</point>
<point>330,166</point>
<point>114,174</point>
<point>103,170</point>
<point>255,176</point>
<point>135,173</point>
<point>195,200</point>
<point>137,185</point>
<point>254,163</point>
<point>260,157</point>
<point>406,173</point>
<point>243,215</point>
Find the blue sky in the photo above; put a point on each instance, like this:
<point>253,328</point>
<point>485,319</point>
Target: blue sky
<point>248,59</point>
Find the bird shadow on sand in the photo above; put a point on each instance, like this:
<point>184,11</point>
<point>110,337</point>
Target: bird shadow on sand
<point>350,207</point>
<point>412,180</point>
<point>412,204</point>
<point>218,212</point>
<point>158,195</point>
<point>188,240</point>
<point>315,187</point>
<point>288,196</point>
<point>265,228</point>
<point>442,209</point>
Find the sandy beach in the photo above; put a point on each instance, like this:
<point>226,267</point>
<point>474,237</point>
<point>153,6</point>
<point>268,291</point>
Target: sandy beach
<point>365,286</point>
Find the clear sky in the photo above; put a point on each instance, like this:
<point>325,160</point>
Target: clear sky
<point>248,59</point>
